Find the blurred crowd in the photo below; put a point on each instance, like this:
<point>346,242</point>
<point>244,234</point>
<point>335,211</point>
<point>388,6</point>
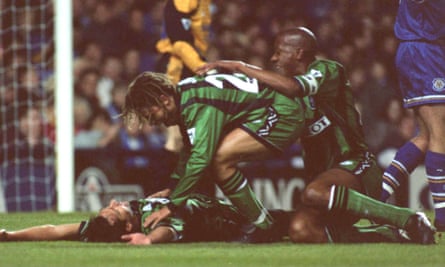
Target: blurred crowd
<point>114,40</point>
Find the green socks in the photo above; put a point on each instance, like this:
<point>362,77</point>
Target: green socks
<point>351,201</point>
<point>365,234</point>
<point>239,192</point>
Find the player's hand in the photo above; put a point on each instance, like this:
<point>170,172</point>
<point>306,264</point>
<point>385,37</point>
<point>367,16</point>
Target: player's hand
<point>230,65</point>
<point>163,193</point>
<point>153,219</point>
<point>3,235</point>
<point>137,239</point>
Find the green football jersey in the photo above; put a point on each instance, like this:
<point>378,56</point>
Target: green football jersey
<point>333,128</point>
<point>201,218</point>
<point>213,105</point>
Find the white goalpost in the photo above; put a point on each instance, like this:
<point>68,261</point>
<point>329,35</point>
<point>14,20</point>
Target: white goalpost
<point>64,105</point>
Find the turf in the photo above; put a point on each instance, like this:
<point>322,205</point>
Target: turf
<point>78,254</point>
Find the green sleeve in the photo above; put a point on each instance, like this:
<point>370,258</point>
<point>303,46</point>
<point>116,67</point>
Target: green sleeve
<point>184,155</point>
<point>204,126</point>
<point>321,79</point>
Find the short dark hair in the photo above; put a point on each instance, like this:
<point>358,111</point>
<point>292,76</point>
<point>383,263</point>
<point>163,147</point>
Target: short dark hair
<point>99,229</point>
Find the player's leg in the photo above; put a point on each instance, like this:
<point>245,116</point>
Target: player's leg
<point>259,137</point>
<point>411,76</point>
<point>306,227</point>
<point>345,200</point>
<point>238,146</point>
<point>338,191</point>
<point>407,158</point>
<point>434,118</point>
<point>373,233</point>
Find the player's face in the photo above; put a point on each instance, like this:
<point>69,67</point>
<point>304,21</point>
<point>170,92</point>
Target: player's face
<point>283,59</point>
<point>154,115</point>
<point>117,211</point>
<point>165,114</point>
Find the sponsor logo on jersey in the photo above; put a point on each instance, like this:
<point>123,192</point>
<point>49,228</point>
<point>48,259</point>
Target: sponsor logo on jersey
<point>272,119</point>
<point>191,134</point>
<point>318,126</point>
<point>439,84</point>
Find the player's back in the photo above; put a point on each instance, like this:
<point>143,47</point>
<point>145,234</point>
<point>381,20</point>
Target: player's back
<point>236,95</point>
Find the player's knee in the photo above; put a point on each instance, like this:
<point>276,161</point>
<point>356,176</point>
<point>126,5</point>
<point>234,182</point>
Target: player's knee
<point>311,196</point>
<point>222,165</point>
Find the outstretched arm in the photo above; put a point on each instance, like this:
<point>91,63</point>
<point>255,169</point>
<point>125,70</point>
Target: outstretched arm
<point>278,82</point>
<point>42,233</point>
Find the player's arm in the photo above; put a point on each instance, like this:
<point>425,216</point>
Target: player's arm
<point>43,233</point>
<point>204,131</point>
<point>160,234</point>
<point>285,85</point>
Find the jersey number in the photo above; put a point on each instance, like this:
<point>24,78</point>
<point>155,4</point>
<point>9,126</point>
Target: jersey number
<point>238,81</point>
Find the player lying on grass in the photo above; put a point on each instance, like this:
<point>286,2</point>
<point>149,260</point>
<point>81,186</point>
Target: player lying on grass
<point>201,218</point>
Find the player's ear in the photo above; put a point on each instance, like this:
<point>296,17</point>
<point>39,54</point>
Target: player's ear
<point>299,53</point>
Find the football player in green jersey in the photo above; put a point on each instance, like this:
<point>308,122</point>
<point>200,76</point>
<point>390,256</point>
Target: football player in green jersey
<point>344,176</point>
<point>200,219</point>
<point>225,119</point>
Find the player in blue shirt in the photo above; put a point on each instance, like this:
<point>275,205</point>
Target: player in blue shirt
<point>420,62</point>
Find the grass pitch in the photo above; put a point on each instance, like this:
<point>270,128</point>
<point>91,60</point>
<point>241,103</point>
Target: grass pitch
<point>78,254</point>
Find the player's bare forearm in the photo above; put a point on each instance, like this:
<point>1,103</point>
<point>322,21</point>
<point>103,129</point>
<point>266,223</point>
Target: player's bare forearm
<point>161,234</point>
<point>45,233</point>
<point>278,82</point>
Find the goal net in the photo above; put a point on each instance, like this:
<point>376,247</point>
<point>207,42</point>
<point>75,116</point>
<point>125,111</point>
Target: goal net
<point>27,120</point>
